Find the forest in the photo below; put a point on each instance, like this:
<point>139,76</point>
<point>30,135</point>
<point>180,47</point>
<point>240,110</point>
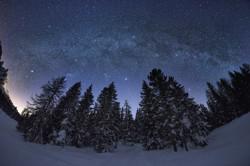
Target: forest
<point>167,117</point>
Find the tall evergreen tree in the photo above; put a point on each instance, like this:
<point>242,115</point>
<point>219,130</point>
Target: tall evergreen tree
<point>5,102</point>
<point>155,119</point>
<point>185,124</point>
<point>64,116</point>
<point>115,112</point>
<point>139,122</point>
<point>107,120</point>
<point>40,111</point>
<point>230,99</point>
<point>83,124</point>
<point>128,125</point>
<point>146,108</point>
<point>169,114</point>
<point>3,71</point>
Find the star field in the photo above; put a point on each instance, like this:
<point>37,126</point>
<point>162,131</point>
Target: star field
<point>99,41</point>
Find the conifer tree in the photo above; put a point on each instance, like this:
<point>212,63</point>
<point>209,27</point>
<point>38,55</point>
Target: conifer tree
<point>107,120</point>
<point>139,126</point>
<point>115,113</point>
<point>3,71</point>
<point>92,124</point>
<point>171,118</point>
<point>187,124</point>
<point>128,125</point>
<point>146,108</point>
<point>5,102</point>
<point>230,99</point>
<point>40,111</point>
<point>82,124</point>
<point>64,116</point>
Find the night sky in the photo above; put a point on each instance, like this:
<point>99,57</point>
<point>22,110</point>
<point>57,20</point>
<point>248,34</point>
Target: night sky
<point>99,41</point>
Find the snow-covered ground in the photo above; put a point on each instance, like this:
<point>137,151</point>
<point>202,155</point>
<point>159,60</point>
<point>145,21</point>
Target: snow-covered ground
<point>228,146</point>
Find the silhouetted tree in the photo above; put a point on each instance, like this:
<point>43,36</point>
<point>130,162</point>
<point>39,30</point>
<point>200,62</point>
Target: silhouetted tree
<point>64,116</point>
<point>171,118</point>
<point>3,71</point>
<point>139,122</point>
<point>82,125</point>
<point>39,111</point>
<point>107,120</point>
<point>5,102</point>
<point>127,125</point>
<point>230,99</point>
<point>146,108</point>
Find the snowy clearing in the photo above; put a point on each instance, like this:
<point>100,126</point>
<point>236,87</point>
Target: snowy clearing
<point>228,146</point>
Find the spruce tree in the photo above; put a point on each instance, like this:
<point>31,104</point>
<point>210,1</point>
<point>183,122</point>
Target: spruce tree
<point>170,113</point>
<point>107,130</point>
<point>187,123</point>
<point>230,99</point>
<point>148,123</point>
<point>139,122</point>
<point>40,111</point>
<point>92,123</point>
<point>5,102</point>
<point>64,116</point>
<point>128,125</point>
<point>3,71</point>
<point>171,118</point>
<point>115,113</point>
<point>83,124</point>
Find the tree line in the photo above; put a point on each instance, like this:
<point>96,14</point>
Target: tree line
<point>5,102</point>
<point>229,98</point>
<point>166,118</point>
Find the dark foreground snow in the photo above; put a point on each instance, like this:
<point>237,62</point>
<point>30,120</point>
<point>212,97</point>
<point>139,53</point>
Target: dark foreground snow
<point>228,146</point>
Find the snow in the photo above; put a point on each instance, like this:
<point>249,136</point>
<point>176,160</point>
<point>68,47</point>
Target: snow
<point>186,122</point>
<point>228,146</point>
<point>61,136</point>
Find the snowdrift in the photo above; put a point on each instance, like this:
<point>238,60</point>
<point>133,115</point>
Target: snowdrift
<point>228,146</point>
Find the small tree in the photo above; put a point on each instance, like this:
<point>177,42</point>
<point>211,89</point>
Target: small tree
<point>128,125</point>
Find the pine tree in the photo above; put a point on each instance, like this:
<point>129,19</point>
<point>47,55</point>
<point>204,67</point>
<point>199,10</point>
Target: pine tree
<point>146,108</point>
<point>202,124</point>
<point>171,109</point>
<point>92,123</point>
<point>115,113</point>
<point>107,120</point>
<point>64,116</point>
<point>230,99</point>
<point>187,123</point>
<point>139,126</point>
<point>3,71</point>
<point>40,111</point>
<point>241,90</point>
<point>128,125</point>
<point>171,118</point>
<point>82,124</point>
<point>5,102</point>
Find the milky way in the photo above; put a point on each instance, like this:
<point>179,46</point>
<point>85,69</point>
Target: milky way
<point>99,41</point>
